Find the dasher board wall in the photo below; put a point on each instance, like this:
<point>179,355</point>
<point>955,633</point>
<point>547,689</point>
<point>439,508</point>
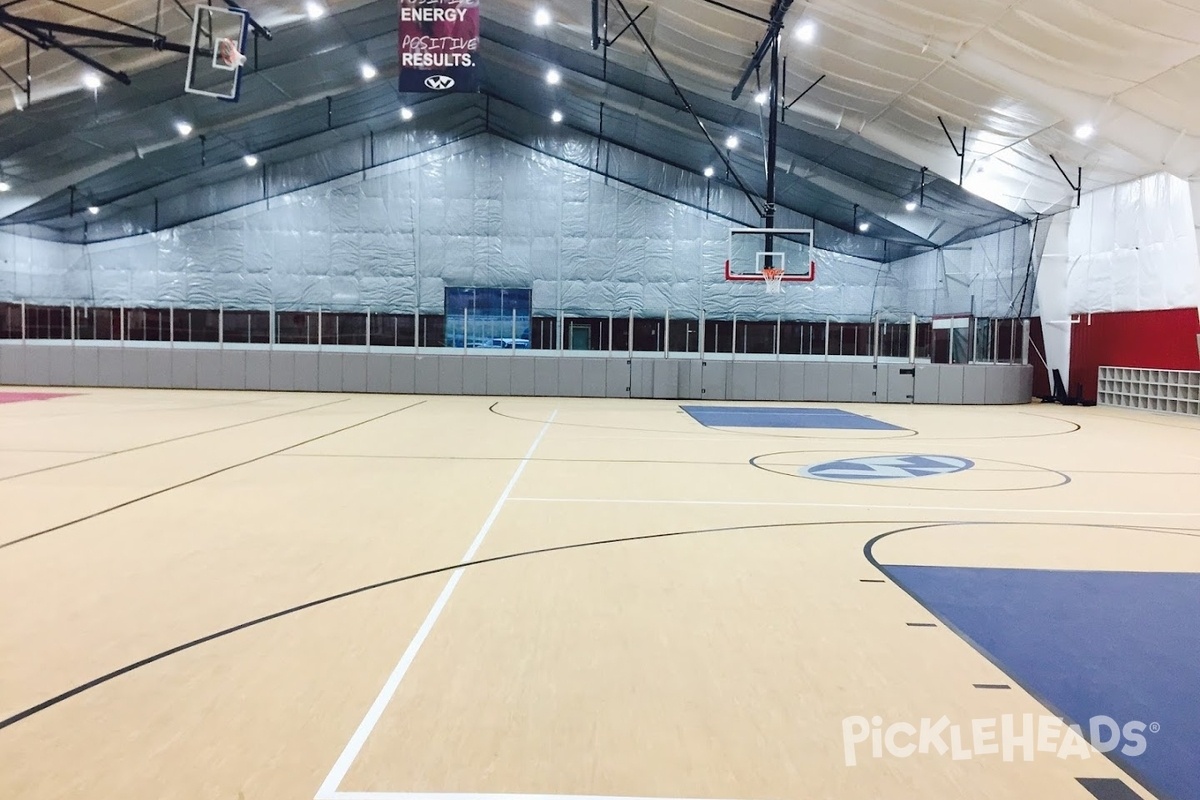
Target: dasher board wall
<point>446,372</point>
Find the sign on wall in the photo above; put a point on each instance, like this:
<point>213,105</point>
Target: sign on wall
<point>439,45</point>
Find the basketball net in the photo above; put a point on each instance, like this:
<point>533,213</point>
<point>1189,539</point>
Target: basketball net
<point>227,53</point>
<point>773,278</point>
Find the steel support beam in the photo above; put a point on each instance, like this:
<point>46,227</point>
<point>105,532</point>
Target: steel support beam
<point>961,152</point>
<point>43,29</point>
<point>774,26</point>
<point>688,106</point>
<point>1076,185</point>
<point>595,24</point>
<point>772,144</point>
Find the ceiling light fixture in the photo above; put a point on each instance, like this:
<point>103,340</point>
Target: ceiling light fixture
<point>807,32</point>
<point>315,10</point>
<point>406,114</point>
<point>910,206</point>
<point>93,210</point>
<point>250,160</point>
<point>1084,132</point>
<point>184,128</point>
<point>5,186</point>
<point>541,18</point>
<point>91,81</point>
<point>731,142</point>
<point>708,172</point>
<point>553,77</point>
<point>368,72</point>
<point>761,98</point>
<point>556,117</point>
<point>863,227</point>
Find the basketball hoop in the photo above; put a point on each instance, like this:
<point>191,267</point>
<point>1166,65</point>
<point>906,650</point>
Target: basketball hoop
<point>228,55</point>
<point>773,278</point>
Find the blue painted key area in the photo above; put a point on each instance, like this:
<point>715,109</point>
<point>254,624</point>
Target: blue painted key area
<point>1120,644</point>
<point>766,417</point>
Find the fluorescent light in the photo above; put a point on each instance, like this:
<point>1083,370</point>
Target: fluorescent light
<point>910,206</point>
<point>91,81</point>
<point>541,18</point>
<point>556,117</point>
<point>863,227</point>
<point>807,32</point>
<point>184,128</point>
<point>731,142</point>
<point>406,114</point>
<point>553,77</point>
<point>250,160</point>
<point>315,10</point>
<point>93,210</point>
<point>5,186</point>
<point>368,72</point>
<point>1084,132</point>
<point>761,98</point>
<point>708,172</point>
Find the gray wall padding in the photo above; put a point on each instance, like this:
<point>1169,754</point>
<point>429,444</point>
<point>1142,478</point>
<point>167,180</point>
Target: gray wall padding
<point>546,375</point>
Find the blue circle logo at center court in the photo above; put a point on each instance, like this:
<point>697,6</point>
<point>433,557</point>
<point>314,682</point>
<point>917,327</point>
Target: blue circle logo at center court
<point>871,468</point>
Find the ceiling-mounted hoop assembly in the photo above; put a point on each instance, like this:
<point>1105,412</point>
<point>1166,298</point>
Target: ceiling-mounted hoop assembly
<point>47,35</point>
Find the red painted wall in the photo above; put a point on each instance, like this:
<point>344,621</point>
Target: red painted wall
<point>1163,339</point>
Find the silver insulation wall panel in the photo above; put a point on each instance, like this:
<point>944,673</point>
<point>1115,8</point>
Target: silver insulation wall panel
<point>488,212</point>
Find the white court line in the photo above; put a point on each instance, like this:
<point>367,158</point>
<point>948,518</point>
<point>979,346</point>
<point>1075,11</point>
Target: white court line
<point>857,506</point>
<point>461,796</point>
<point>328,790</point>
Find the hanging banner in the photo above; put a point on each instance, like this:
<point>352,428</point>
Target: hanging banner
<point>439,45</point>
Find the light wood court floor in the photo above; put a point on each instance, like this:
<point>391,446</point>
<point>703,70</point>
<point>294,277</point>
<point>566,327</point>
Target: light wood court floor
<point>256,595</point>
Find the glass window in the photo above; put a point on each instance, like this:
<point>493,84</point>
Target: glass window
<point>489,318</point>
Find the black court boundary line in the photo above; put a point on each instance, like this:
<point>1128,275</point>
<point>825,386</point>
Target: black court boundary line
<point>884,484</point>
<point>1029,413</point>
<point>199,478</point>
<point>1076,427</point>
<point>868,553</point>
<point>534,460</point>
<point>178,438</point>
<point>908,526</point>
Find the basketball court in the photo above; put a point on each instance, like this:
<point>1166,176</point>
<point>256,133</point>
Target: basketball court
<point>506,400</point>
<point>323,596</point>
